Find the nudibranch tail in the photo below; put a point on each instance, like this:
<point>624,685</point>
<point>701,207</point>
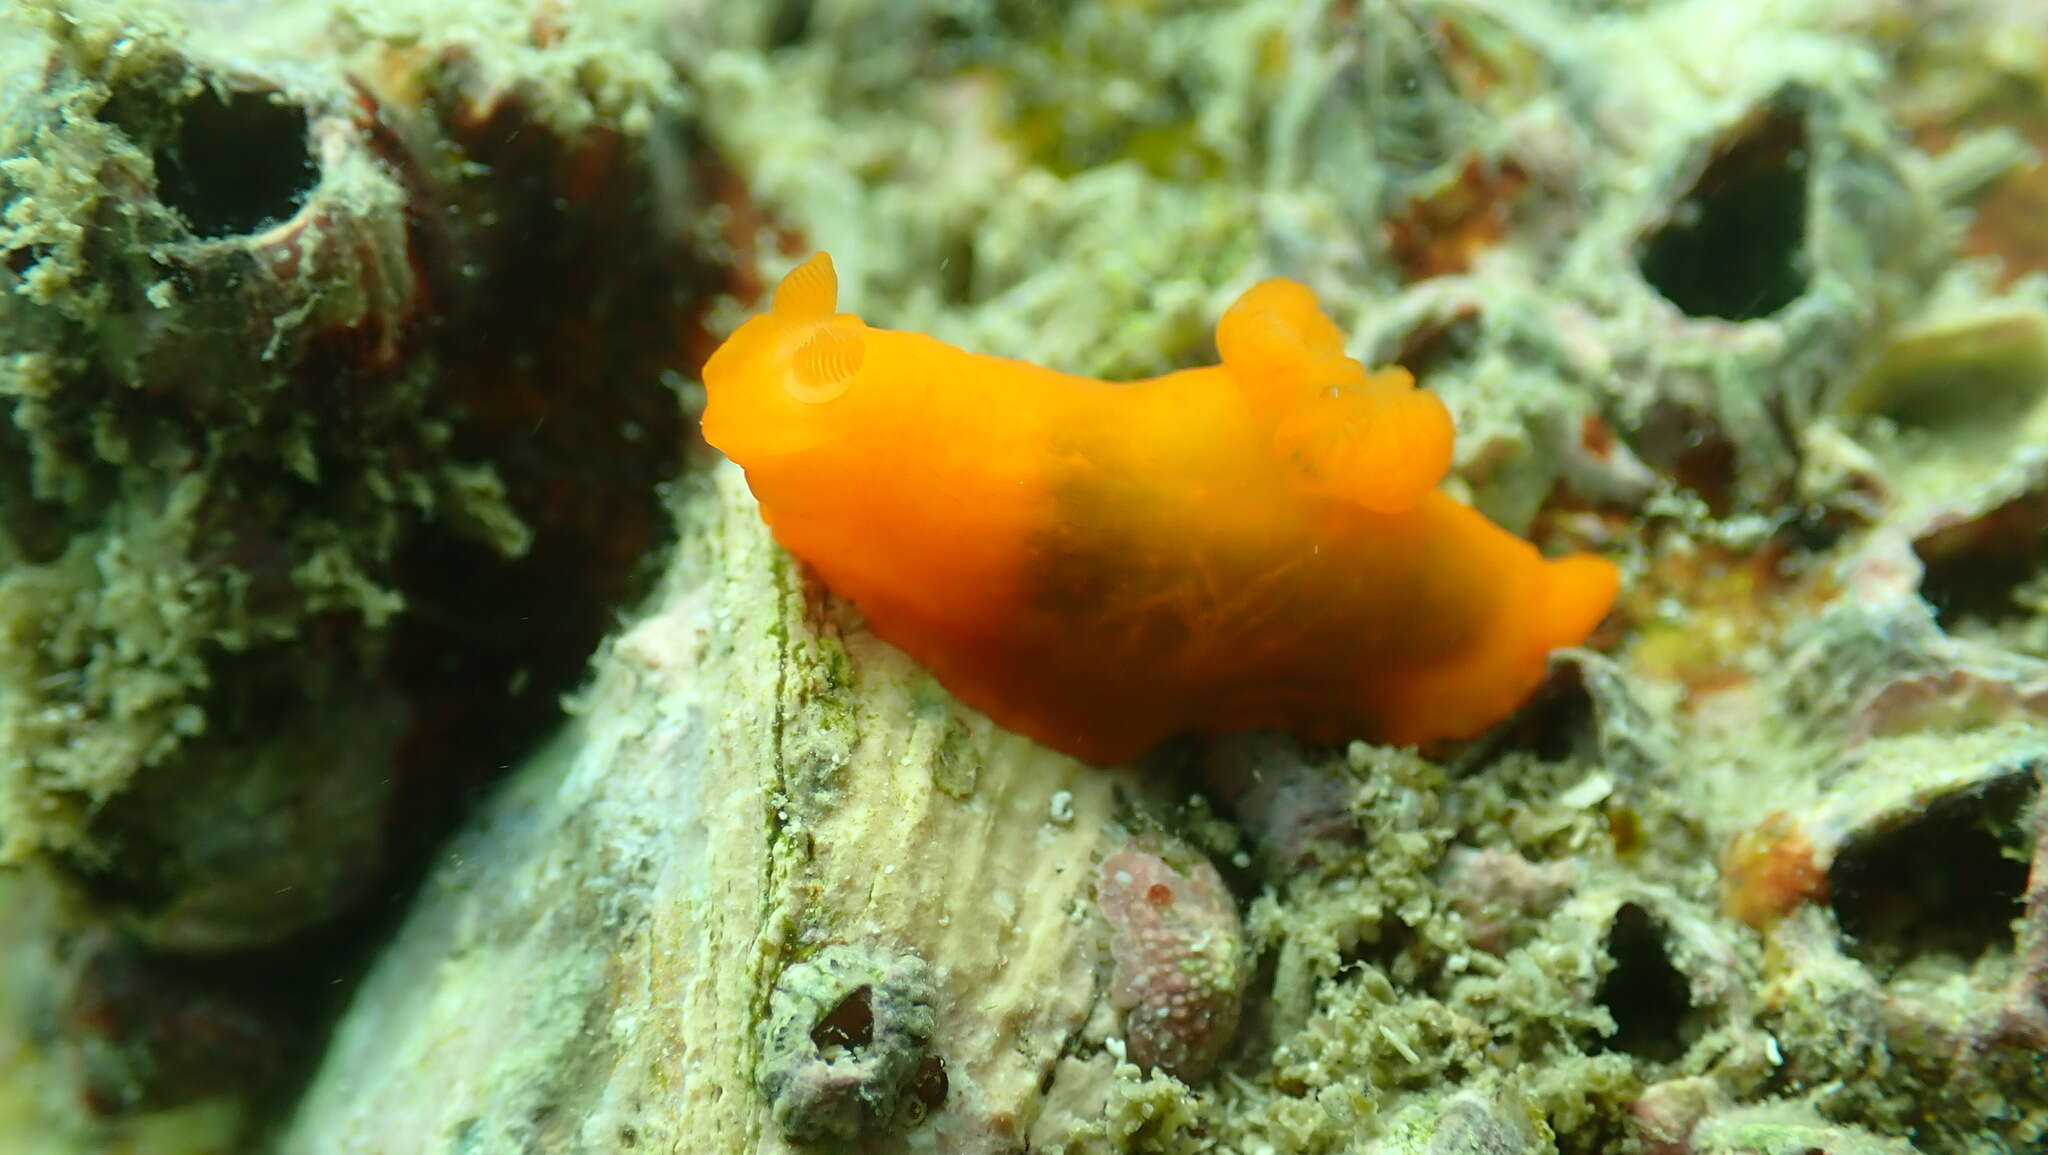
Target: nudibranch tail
<point>810,291</point>
<point>1582,590</point>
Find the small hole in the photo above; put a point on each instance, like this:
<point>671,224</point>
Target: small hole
<point>847,1026</point>
<point>1440,344</point>
<point>1379,950</point>
<point>1967,385</point>
<point>1733,247</point>
<point>790,23</point>
<point>1555,723</point>
<point>1708,469</point>
<point>956,273</point>
<point>20,261</point>
<point>1653,1014</point>
<point>1687,445</point>
<point>236,164</point>
<point>929,1086</point>
<point>1976,569</point>
<point>1946,881</point>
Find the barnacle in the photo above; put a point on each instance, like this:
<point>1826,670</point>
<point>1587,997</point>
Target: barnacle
<point>845,1043</point>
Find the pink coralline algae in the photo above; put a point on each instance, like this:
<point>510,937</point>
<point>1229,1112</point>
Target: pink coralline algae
<point>1179,953</point>
<point>1494,889</point>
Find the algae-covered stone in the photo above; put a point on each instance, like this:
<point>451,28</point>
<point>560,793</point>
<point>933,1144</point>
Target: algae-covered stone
<point>685,879</point>
<point>312,422</point>
<point>335,363</point>
<point>1779,1130</point>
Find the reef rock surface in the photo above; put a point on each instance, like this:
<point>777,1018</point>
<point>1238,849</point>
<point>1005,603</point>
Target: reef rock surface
<point>1749,295</point>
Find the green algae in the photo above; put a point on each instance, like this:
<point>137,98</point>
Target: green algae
<point>232,428</point>
<point>182,514</point>
<point>292,555</point>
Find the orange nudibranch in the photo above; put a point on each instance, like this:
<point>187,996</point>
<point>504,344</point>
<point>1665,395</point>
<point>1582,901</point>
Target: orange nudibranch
<point>1101,566</point>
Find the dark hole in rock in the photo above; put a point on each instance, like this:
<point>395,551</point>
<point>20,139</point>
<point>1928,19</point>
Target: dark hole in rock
<point>1946,880</point>
<point>1974,568</point>
<point>928,1087</point>
<point>1815,529</point>
<point>1686,444</point>
<point>152,1031</point>
<point>1439,344</point>
<point>956,272</point>
<point>1706,466</point>
<point>37,530</point>
<point>1733,246</point>
<point>21,260</point>
<point>1277,789</point>
<point>1555,723</point>
<point>1654,1017</point>
<point>850,1024</point>
<point>236,163</point>
<point>263,826</point>
<point>1380,950</point>
<point>790,24</point>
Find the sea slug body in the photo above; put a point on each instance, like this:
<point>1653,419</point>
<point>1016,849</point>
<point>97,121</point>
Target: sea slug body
<point>1100,566</point>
